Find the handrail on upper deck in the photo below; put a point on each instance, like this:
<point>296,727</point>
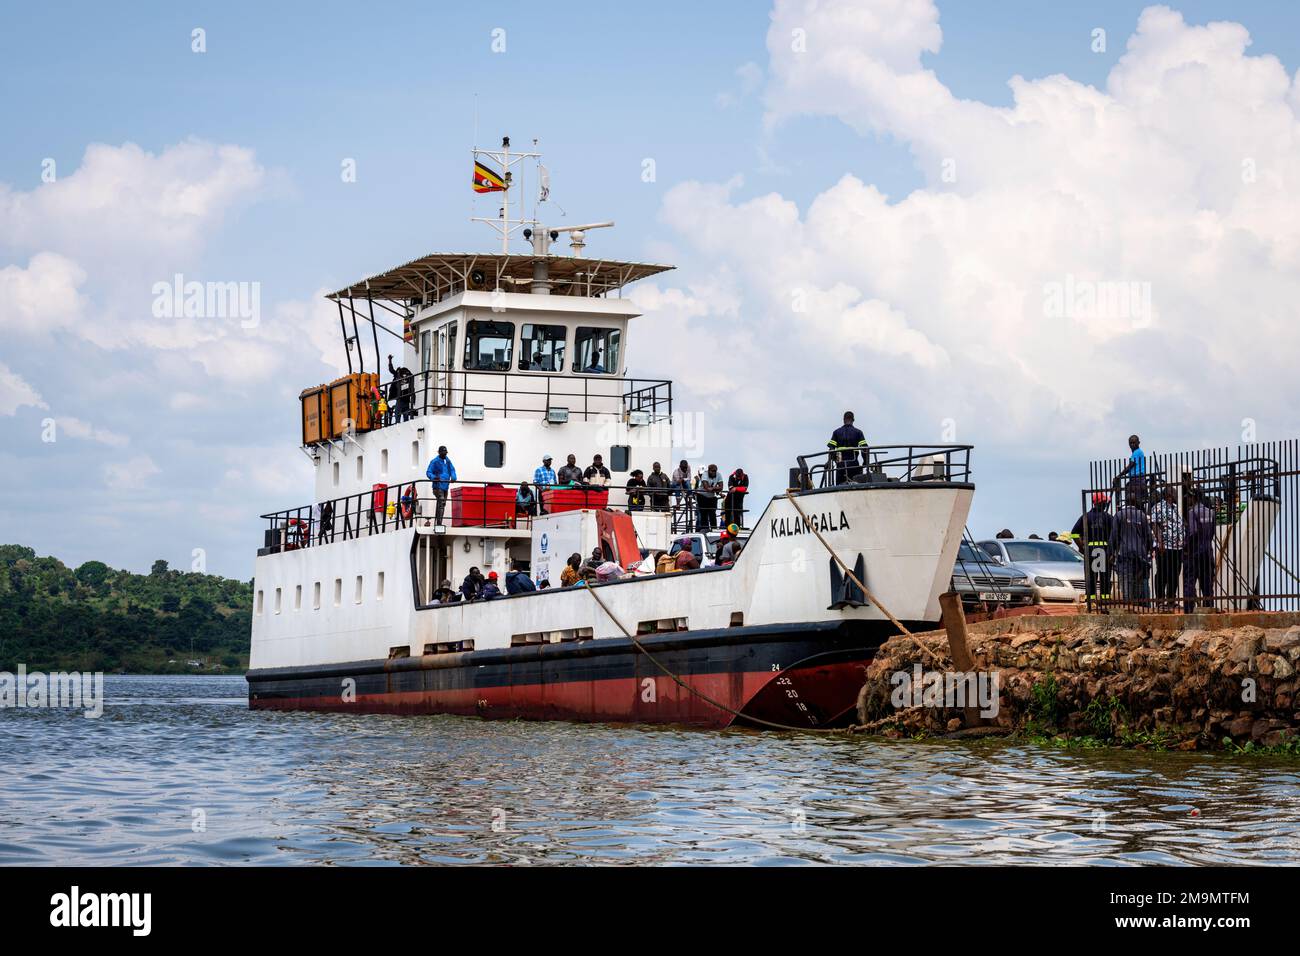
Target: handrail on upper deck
<point>882,463</point>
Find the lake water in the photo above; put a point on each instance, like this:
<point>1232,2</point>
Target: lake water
<point>179,771</point>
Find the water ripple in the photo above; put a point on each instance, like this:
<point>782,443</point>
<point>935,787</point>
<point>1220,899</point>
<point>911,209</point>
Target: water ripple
<point>178,771</point>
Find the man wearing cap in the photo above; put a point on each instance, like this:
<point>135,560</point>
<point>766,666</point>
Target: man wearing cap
<point>490,588</point>
<point>441,472</point>
<point>845,444</point>
<point>543,481</point>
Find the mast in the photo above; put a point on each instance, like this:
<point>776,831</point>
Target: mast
<point>505,159</point>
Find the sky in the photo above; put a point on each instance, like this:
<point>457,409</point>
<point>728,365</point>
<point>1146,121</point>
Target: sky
<point>1030,228</point>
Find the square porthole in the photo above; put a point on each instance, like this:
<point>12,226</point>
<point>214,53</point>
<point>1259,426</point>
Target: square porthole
<point>620,457</point>
<point>494,454</point>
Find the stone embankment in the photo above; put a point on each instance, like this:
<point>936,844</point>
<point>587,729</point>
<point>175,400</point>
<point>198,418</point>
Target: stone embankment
<point>1194,681</point>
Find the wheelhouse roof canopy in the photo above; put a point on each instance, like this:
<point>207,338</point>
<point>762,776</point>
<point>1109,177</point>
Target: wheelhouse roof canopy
<point>435,277</point>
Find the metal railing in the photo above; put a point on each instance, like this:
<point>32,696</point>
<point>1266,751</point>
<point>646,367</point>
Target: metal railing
<point>462,504</point>
<point>882,463</point>
<point>532,394</point>
<point>1211,529</point>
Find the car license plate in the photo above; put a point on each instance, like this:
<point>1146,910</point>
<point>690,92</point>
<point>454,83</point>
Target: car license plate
<point>992,596</point>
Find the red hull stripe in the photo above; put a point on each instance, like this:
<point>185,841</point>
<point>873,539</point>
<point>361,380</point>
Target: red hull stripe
<point>800,697</point>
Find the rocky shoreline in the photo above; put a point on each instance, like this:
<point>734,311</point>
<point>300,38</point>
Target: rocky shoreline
<point>1203,681</point>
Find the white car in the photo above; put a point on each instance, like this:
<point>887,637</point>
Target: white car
<point>1056,569</point>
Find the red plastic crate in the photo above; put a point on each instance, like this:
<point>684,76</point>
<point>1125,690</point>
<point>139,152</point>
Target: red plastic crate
<point>571,499</point>
<point>490,506</point>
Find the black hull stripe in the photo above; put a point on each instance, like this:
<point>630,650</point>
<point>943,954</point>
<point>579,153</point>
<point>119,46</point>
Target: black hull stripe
<point>723,651</point>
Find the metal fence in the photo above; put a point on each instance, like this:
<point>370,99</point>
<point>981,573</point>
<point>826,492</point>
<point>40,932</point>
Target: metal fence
<point>1214,529</point>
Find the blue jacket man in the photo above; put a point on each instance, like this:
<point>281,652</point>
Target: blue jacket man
<point>517,582</point>
<point>441,472</point>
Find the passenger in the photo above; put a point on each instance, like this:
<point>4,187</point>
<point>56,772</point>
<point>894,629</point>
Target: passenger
<point>597,475</point>
<point>525,501</point>
<point>723,538</point>
<point>537,364</point>
<point>636,491</point>
<point>571,574</point>
<point>1198,559</point>
<point>1131,543</point>
<point>490,588</point>
<point>1167,524</point>
<point>707,495</point>
<point>596,560</point>
<point>518,581</point>
<point>543,482</point>
<point>444,594</point>
<point>441,472</point>
<point>845,444</point>
<point>543,584</point>
<point>570,474</point>
<point>595,367</point>
<point>656,480</point>
<point>730,552</point>
<point>472,586</point>
<point>733,506</point>
<point>665,563</point>
<point>686,560</point>
<point>1005,533</point>
<point>681,481</point>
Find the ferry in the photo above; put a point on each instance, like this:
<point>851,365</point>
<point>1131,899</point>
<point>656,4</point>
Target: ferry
<point>508,357</point>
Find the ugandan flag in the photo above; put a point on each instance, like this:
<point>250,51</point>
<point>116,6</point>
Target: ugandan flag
<point>486,181</point>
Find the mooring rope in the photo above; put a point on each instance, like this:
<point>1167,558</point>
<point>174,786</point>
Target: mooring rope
<point>695,690</point>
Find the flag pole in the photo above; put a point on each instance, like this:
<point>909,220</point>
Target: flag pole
<point>505,197</point>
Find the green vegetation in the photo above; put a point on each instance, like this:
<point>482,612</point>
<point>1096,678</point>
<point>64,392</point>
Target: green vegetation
<point>1289,747</point>
<point>99,619</point>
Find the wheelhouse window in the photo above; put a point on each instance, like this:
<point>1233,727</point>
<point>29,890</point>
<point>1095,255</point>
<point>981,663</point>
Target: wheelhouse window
<point>488,346</point>
<point>596,351</point>
<point>541,348</point>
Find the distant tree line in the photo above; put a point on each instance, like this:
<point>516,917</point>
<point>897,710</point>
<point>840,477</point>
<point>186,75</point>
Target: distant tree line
<point>98,619</point>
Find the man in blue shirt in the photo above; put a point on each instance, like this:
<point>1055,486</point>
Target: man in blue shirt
<point>1136,469</point>
<point>441,472</point>
<point>543,481</point>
